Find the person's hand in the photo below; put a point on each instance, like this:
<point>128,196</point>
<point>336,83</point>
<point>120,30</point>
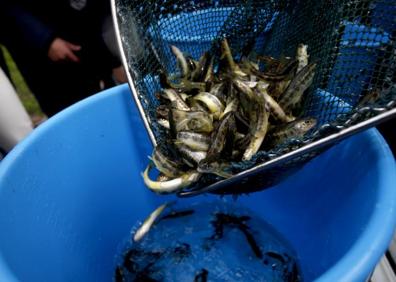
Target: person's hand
<point>62,50</point>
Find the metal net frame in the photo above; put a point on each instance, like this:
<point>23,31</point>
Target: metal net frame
<point>353,43</point>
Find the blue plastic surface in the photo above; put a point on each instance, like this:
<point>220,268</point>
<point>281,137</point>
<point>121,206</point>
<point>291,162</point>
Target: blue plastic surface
<point>71,191</point>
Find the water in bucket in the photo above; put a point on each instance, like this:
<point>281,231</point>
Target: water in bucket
<point>216,241</point>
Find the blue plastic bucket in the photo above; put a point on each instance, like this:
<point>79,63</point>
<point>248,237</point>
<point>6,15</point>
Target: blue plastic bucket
<point>70,193</point>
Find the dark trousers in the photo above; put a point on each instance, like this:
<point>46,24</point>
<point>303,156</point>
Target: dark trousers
<point>59,85</point>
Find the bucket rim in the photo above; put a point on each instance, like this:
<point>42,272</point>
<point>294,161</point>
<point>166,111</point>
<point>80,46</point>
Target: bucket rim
<point>363,254</point>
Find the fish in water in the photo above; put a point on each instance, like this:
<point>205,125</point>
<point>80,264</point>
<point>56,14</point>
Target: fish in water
<point>202,276</point>
<point>145,228</point>
<point>177,214</point>
<point>222,220</point>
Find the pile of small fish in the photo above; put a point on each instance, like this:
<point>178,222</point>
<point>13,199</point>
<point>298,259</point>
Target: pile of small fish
<point>215,114</point>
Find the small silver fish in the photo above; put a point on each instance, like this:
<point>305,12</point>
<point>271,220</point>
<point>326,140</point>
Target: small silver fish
<point>176,100</point>
<point>244,87</point>
<point>209,72</point>
<point>302,56</point>
<point>181,60</point>
<point>191,121</point>
<point>192,64</point>
<point>162,177</point>
<point>282,70</point>
<point>197,106</point>
<point>301,82</point>
<point>218,90</point>
<point>278,88</point>
<point>260,129</point>
<point>219,169</point>
<point>276,111</point>
<point>226,53</point>
<point>232,106</point>
<point>213,103</point>
<point>294,129</point>
<point>164,123</point>
<point>220,136</point>
<point>173,185</point>
<point>185,85</point>
<point>203,67</point>
<point>164,164</point>
<point>196,141</point>
<point>146,226</point>
<point>190,157</point>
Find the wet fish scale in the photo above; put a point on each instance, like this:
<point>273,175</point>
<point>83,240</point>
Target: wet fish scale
<point>209,72</point>
<point>297,86</point>
<point>219,138</point>
<point>176,100</point>
<point>195,121</point>
<point>165,165</point>
<point>260,129</point>
<point>283,72</point>
<point>181,60</point>
<point>244,88</point>
<point>201,68</point>
<point>295,129</point>
<point>217,89</point>
<point>302,56</point>
<point>190,156</point>
<point>232,106</point>
<point>213,103</point>
<point>195,141</point>
<point>273,106</point>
